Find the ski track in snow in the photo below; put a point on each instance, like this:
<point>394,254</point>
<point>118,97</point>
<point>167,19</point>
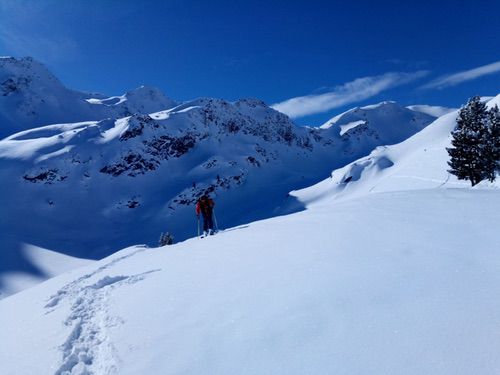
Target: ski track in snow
<point>87,349</point>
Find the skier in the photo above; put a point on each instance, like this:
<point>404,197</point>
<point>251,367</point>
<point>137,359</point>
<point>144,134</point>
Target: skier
<point>205,206</point>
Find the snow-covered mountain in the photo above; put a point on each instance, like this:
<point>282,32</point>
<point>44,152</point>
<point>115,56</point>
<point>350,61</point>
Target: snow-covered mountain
<point>375,121</point>
<point>390,267</point>
<point>420,162</point>
<point>133,165</point>
<point>32,96</point>
<point>91,188</point>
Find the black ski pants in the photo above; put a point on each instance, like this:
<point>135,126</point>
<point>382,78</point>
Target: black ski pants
<point>208,222</point>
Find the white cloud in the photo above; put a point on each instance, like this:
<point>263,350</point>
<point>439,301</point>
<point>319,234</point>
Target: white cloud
<point>350,92</point>
<point>466,75</point>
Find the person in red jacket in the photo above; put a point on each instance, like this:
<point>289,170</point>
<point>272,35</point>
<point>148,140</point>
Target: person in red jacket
<point>205,207</point>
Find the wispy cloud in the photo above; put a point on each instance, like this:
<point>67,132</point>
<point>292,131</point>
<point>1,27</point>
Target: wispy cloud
<point>466,75</point>
<point>350,92</point>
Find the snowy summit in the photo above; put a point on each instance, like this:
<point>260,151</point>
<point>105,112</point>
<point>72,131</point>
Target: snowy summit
<point>30,95</point>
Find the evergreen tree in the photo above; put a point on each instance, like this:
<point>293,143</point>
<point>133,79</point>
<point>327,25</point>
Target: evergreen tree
<point>468,154</point>
<point>493,143</point>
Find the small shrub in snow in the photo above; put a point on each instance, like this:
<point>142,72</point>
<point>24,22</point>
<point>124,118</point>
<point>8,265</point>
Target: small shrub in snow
<point>166,239</point>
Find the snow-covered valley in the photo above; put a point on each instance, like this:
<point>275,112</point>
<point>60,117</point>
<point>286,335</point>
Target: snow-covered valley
<point>345,249</point>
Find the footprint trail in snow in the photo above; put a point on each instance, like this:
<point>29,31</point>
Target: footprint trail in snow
<point>87,349</point>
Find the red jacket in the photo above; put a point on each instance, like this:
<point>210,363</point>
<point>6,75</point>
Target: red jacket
<point>204,206</point>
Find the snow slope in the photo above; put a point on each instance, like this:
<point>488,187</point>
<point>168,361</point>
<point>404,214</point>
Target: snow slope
<point>420,162</point>
<point>31,96</point>
<point>390,283</point>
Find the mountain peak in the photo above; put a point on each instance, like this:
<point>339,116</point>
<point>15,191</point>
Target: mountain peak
<point>362,111</point>
<point>387,121</point>
<point>12,65</point>
<point>20,73</point>
<point>31,96</point>
<point>145,90</point>
<point>384,104</point>
<point>251,102</point>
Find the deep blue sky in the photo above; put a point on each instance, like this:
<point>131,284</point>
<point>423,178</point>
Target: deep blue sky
<point>273,50</point>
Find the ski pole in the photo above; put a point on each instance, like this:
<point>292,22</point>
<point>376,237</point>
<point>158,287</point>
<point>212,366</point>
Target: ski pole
<point>215,221</point>
<point>198,217</point>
